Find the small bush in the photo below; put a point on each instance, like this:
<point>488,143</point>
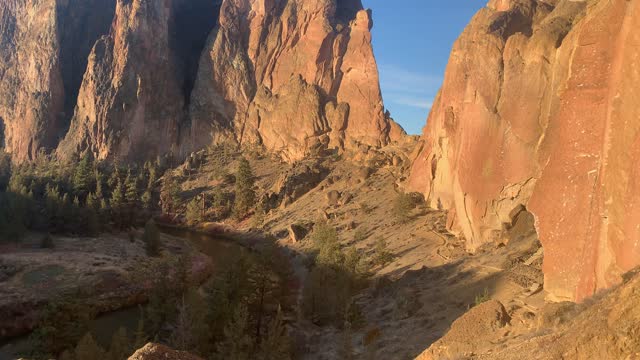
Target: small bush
<point>365,208</point>
<point>402,207</point>
<point>152,238</point>
<point>47,242</point>
<point>360,235</point>
<point>482,298</point>
<point>381,254</point>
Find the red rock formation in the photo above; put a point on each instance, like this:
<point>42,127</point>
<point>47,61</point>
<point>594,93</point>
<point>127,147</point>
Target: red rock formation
<point>537,112</point>
<point>38,43</point>
<point>130,102</point>
<point>291,75</point>
<point>172,76</point>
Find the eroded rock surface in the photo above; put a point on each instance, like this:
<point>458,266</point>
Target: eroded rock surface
<point>537,112</point>
<point>130,80</point>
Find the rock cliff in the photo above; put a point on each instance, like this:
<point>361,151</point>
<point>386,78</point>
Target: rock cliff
<point>43,49</point>
<point>537,114</point>
<point>130,80</point>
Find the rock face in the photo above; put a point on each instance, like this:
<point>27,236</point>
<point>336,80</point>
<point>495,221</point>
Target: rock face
<point>609,328</point>
<point>291,75</point>
<point>43,50</point>
<point>537,114</point>
<point>132,79</point>
<point>130,102</point>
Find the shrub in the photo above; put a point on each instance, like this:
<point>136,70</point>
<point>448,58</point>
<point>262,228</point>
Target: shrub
<point>360,235</point>
<point>402,207</point>
<point>481,298</point>
<point>365,208</point>
<point>245,194</point>
<point>381,254</point>
<point>47,242</point>
<point>152,238</point>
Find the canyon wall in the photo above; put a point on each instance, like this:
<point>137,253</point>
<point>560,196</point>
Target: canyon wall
<point>131,79</point>
<point>538,112</point>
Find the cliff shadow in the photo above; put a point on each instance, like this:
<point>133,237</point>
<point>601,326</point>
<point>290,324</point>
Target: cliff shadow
<point>80,24</point>
<point>192,23</point>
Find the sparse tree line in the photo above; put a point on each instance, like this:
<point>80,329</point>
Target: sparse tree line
<point>84,198</point>
<point>337,274</point>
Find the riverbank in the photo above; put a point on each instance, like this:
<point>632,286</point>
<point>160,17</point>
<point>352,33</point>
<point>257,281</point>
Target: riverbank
<point>107,273</point>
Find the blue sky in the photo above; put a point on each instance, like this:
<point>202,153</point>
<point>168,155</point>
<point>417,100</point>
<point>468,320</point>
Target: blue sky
<point>412,40</point>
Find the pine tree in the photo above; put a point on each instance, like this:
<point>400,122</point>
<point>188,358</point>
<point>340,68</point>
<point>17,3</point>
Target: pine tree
<point>194,212</point>
<point>153,177</point>
<point>88,349</point>
<point>147,199</point>
<point>181,338</point>
<point>82,176</point>
<point>245,194</point>
<point>131,185</point>
<point>99,189</point>
<point>140,337</point>
<point>117,196</point>
<point>115,178</point>
<point>276,345</point>
<point>120,347</point>
<point>237,344</point>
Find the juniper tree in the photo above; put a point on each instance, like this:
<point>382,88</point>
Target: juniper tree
<point>245,194</point>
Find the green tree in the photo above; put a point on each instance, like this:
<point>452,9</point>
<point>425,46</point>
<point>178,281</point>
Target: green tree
<point>117,196</point>
<point>237,343</point>
<point>115,178</point>
<point>147,200</point>
<point>62,324</point>
<point>381,254</point>
<point>169,194</point>
<point>120,347</point>
<point>194,212</point>
<point>82,176</point>
<point>131,185</point>
<point>325,239</point>
<point>151,238</point>
<point>276,345</point>
<point>88,349</point>
<point>99,187</point>
<point>245,193</point>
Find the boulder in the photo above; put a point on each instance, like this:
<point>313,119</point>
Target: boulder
<point>471,332</point>
<point>333,198</point>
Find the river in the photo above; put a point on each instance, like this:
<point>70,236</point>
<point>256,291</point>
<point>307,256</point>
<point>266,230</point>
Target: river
<point>104,326</point>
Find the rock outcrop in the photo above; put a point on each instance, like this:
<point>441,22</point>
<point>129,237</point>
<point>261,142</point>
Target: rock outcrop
<point>130,80</point>
<point>291,75</point>
<point>607,328</point>
<point>153,351</point>
<point>537,114</point>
